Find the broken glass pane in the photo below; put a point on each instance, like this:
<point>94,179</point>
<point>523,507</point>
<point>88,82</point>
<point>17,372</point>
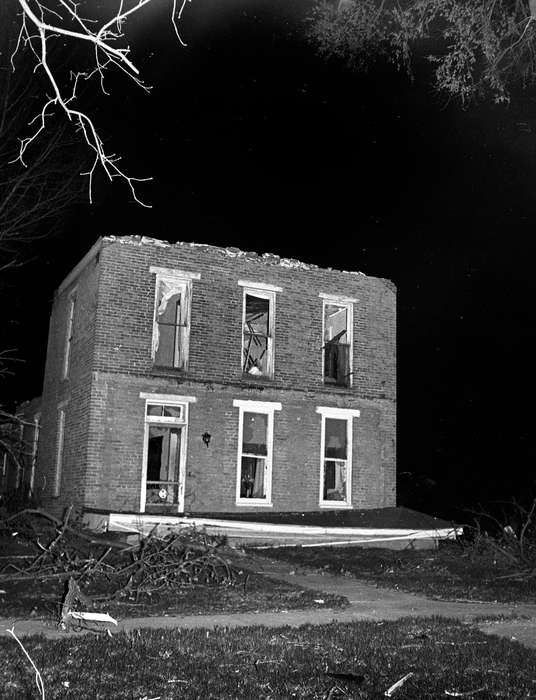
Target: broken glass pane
<point>171,325</point>
<point>254,430</point>
<point>163,454</point>
<point>334,480</point>
<point>335,324</point>
<point>256,335</point>
<point>336,345</point>
<point>173,411</point>
<point>252,477</point>
<point>162,494</point>
<point>335,438</point>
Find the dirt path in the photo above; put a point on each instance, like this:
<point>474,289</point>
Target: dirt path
<point>366,602</point>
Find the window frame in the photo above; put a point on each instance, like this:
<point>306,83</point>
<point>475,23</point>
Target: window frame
<point>267,408</point>
<point>261,291</point>
<point>60,446</point>
<point>348,304</point>
<point>346,414</point>
<point>69,334</point>
<point>35,445</point>
<point>183,281</point>
<point>165,421</point>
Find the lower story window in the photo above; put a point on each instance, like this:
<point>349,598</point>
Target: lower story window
<point>335,486</point>
<point>255,437</point>
<point>336,456</point>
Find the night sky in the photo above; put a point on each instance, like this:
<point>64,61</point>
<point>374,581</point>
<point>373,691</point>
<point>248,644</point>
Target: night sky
<point>254,141</point>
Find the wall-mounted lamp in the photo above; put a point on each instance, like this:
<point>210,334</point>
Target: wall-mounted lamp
<point>206,438</point>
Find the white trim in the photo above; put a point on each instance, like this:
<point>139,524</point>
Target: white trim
<point>260,406</point>
<point>167,398</point>
<point>346,414</point>
<point>71,300</point>
<point>60,440</point>
<point>338,299</point>
<point>348,304</point>
<point>35,443</point>
<point>335,412</point>
<point>267,408</point>
<point>259,285</point>
<point>166,422</point>
<point>180,275</point>
<point>270,295</point>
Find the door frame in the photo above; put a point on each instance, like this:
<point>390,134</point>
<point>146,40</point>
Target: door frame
<point>182,422</point>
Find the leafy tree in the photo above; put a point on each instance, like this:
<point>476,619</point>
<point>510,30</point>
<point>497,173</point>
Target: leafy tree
<point>479,48</point>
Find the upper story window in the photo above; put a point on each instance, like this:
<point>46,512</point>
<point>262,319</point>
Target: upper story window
<point>69,334</point>
<point>337,345</point>
<point>258,323</point>
<point>171,327</point>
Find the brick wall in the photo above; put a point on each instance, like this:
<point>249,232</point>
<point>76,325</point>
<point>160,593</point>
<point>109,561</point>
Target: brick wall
<point>211,472</point>
<point>72,394</point>
<point>127,292</point>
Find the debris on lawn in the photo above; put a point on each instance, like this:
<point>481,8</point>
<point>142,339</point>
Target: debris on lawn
<point>98,569</point>
<point>464,694</point>
<point>390,691</point>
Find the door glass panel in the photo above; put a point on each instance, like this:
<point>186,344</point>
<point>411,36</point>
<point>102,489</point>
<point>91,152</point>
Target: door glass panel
<point>163,460</point>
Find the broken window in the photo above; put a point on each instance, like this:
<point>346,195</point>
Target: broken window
<point>257,346</point>
<point>254,478</point>
<point>171,323</point>
<point>69,335</point>
<point>164,472</point>
<point>337,343</point>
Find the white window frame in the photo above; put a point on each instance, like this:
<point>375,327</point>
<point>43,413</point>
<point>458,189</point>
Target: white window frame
<point>60,444</point>
<point>35,443</point>
<point>268,408</point>
<point>69,334</point>
<point>262,291</point>
<point>348,304</point>
<point>347,414</point>
<point>183,421</point>
<point>19,479</point>
<point>183,281</point>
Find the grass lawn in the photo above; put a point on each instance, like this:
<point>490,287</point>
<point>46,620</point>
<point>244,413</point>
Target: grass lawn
<point>451,572</point>
<point>359,660</point>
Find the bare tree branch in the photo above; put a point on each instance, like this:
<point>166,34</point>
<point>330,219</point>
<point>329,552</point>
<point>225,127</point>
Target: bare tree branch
<point>40,28</point>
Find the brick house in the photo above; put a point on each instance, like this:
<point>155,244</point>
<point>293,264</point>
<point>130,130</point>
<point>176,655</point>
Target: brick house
<point>187,378</point>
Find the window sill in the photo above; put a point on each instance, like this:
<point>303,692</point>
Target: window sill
<point>168,371</point>
<point>335,504</point>
<point>253,502</point>
<point>257,378</point>
<point>335,385</point>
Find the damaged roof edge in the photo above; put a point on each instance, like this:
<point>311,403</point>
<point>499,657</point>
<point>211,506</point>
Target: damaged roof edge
<point>233,252</point>
<point>267,258</point>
